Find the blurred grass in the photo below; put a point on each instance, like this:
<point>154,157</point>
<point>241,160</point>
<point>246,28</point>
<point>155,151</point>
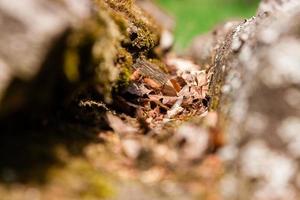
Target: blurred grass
<point>197,16</point>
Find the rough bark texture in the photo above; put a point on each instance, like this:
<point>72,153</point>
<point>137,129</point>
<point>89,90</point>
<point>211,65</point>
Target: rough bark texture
<point>255,88</point>
<point>33,42</point>
<point>50,48</point>
<point>76,53</point>
<point>52,55</point>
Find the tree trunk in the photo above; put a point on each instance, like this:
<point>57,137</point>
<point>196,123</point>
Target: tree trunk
<point>49,49</point>
<point>256,91</point>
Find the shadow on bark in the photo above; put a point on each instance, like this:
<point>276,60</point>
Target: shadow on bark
<point>29,146</point>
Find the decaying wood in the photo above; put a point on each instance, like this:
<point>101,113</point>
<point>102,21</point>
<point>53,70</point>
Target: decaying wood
<point>150,70</point>
<point>155,77</point>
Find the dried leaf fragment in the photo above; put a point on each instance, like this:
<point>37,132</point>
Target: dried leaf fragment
<point>178,83</point>
<point>119,126</point>
<point>176,108</point>
<point>169,90</point>
<point>152,83</point>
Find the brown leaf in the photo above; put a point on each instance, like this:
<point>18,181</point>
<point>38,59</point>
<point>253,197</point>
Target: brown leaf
<point>178,83</point>
<point>135,75</point>
<point>175,84</point>
<point>201,77</point>
<point>169,90</point>
<point>152,83</point>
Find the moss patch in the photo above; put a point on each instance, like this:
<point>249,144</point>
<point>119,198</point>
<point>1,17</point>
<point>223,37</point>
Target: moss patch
<point>141,30</point>
<point>124,61</point>
<point>80,179</point>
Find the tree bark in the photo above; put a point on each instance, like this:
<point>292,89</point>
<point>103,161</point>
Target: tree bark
<point>50,49</point>
<point>256,91</point>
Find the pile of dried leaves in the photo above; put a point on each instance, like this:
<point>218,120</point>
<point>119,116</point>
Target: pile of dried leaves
<point>161,103</point>
<point>160,95</point>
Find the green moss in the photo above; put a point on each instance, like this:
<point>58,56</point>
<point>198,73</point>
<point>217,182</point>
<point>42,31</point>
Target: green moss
<point>104,51</point>
<point>138,35</point>
<point>79,43</point>
<point>214,103</point>
<point>124,61</point>
<point>146,38</point>
<point>96,184</point>
<point>214,93</point>
<point>79,179</point>
<point>119,32</point>
<point>71,65</point>
<point>141,31</point>
<point>124,77</point>
<point>122,25</point>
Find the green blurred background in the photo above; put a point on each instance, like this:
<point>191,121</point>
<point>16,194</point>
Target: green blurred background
<point>198,16</point>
